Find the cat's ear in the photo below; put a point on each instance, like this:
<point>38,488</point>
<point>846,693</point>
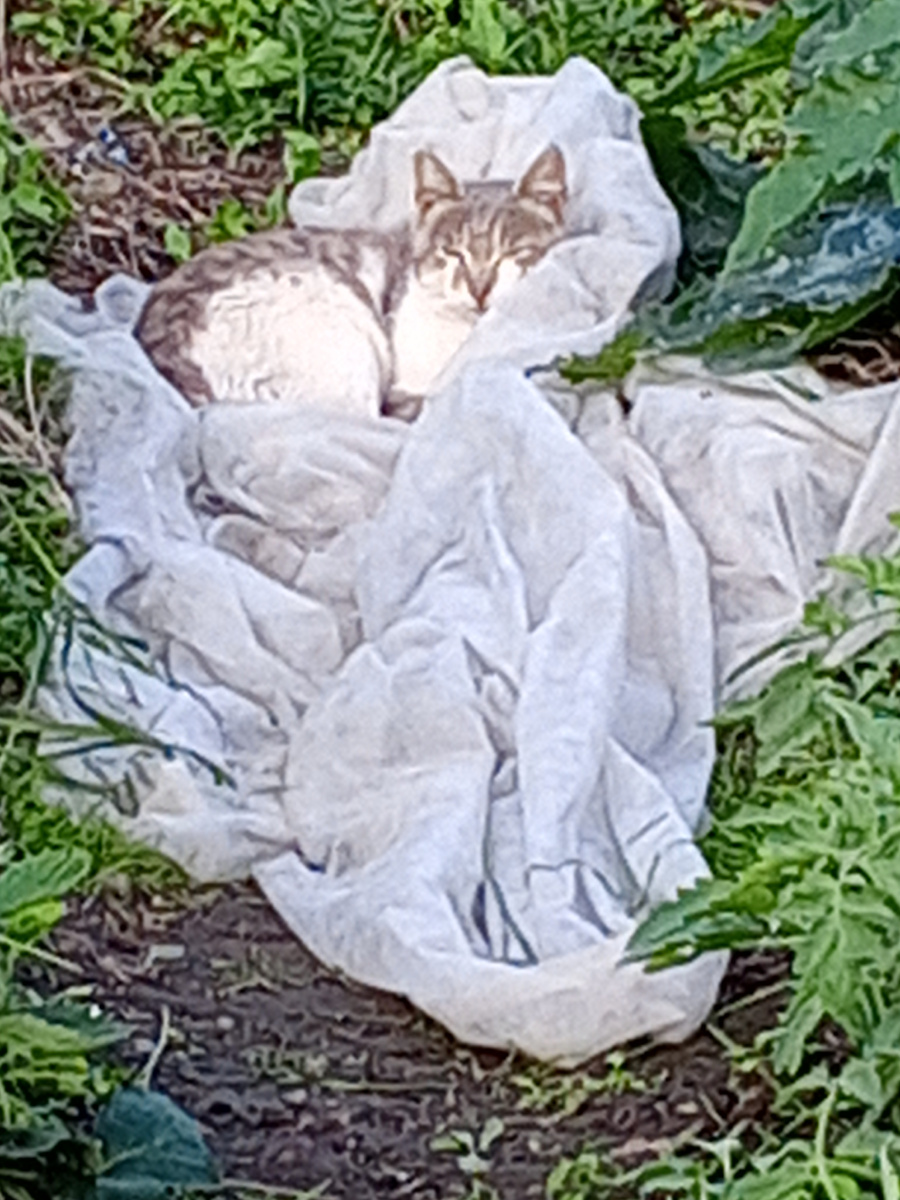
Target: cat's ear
<point>433,181</point>
<point>545,181</point>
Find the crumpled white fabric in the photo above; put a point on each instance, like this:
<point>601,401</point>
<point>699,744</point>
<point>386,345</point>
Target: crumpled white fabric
<point>443,689</point>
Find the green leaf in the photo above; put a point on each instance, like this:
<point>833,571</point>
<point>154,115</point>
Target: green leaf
<point>38,1055</point>
<point>881,574</point>
<point>821,280</point>
<point>890,1180</point>
<point>39,1139</point>
<point>873,29</point>
<point>177,241</point>
<point>776,202</point>
<point>800,1023</point>
<point>32,921</point>
<point>231,220</point>
<point>707,188</point>
<point>486,36</point>
<point>44,876</point>
<point>150,1146</point>
<point>859,1079</point>
<point>302,154</point>
<point>744,52</point>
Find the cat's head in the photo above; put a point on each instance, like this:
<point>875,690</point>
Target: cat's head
<point>473,241</point>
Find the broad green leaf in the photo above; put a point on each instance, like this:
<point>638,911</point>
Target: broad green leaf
<point>821,280</point>
<point>150,1146</point>
<point>707,188</point>
<point>776,202</point>
<point>872,30</point>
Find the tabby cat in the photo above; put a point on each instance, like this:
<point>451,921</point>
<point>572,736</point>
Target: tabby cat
<point>352,320</point>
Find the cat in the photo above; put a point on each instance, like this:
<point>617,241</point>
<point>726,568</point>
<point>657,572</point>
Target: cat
<point>354,320</point>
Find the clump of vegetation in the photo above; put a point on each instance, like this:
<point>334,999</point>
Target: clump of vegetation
<point>805,857</point>
<point>322,68</point>
<point>60,1100</point>
<point>33,207</point>
<point>779,260</point>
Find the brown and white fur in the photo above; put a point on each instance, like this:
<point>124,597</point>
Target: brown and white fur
<point>352,320</point>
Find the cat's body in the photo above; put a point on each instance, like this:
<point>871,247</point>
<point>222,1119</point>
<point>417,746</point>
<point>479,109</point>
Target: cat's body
<point>352,320</point>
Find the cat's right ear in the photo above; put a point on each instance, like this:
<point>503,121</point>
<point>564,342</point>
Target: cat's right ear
<point>433,181</point>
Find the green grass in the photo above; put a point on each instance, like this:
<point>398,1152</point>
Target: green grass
<point>55,1074</point>
<point>33,207</point>
<point>251,69</point>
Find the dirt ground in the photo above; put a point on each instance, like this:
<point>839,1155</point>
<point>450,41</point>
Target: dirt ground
<point>304,1079</point>
<point>301,1078</point>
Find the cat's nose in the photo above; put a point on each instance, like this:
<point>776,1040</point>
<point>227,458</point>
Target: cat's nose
<point>480,283</point>
<point>480,293</point>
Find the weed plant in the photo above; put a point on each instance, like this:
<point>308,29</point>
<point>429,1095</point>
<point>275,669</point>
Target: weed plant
<point>53,1074</point>
<point>32,206</point>
<point>805,857</point>
<point>326,69</point>
<point>781,260</point>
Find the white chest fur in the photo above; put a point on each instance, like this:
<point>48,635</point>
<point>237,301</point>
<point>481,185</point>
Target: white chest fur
<point>427,330</point>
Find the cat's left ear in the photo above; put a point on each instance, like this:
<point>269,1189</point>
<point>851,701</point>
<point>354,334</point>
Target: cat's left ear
<point>433,181</point>
<point>545,182</point>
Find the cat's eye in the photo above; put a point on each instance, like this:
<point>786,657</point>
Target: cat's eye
<point>524,258</point>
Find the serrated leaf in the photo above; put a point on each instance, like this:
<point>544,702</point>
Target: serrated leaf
<point>38,1055</point>
<point>37,1140</point>
<point>738,54</point>
<point>94,1028</point>
<point>800,1022</point>
<point>890,1180</point>
<point>46,875</point>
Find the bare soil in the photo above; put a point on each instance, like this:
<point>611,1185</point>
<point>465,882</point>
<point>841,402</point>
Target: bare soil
<point>302,1078</point>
